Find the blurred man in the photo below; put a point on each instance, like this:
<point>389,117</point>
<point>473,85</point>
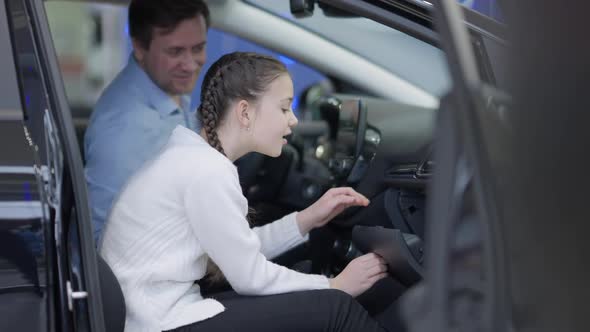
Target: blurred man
<point>135,115</point>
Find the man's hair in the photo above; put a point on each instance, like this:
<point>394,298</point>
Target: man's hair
<point>145,15</point>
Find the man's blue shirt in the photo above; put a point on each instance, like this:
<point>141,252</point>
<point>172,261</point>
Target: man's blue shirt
<point>130,124</point>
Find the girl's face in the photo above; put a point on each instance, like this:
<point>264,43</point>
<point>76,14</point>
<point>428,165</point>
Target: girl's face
<point>274,117</point>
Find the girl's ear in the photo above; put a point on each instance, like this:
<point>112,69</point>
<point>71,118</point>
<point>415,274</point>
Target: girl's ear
<point>243,111</point>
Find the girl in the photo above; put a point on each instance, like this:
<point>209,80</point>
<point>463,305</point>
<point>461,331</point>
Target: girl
<point>186,206</point>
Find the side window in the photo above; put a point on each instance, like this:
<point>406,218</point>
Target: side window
<point>220,43</point>
<point>92,46</point>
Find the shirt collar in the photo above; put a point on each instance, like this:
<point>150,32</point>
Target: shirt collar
<point>183,136</point>
<point>156,97</point>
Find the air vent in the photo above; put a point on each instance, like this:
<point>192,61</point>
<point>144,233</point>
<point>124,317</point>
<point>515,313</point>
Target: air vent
<point>403,170</point>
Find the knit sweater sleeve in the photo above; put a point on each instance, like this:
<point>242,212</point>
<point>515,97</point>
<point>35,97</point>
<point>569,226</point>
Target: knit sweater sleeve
<point>216,210</point>
<point>279,236</point>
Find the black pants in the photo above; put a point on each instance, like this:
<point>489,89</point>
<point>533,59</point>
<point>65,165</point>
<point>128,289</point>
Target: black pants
<point>318,310</point>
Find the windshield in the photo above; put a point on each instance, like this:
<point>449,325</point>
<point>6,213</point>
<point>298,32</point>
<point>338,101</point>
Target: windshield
<point>489,8</point>
<point>414,60</point>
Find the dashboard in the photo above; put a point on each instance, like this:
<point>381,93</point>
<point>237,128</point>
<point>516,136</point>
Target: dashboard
<point>367,143</point>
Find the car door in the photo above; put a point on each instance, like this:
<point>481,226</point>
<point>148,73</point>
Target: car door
<point>464,285</point>
<point>506,153</point>
<point>25,273</point>
<point>49,168</point>
<point>464,280</point>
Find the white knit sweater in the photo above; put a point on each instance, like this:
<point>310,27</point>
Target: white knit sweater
<point>182,207</point>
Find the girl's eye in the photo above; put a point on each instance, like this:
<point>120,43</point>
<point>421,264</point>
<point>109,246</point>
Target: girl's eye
<point>285,110</point>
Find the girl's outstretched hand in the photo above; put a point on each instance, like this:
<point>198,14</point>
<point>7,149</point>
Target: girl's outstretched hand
<point>332,203</point>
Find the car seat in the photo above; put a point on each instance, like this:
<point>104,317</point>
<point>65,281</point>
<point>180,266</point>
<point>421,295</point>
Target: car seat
<point>113,302</point>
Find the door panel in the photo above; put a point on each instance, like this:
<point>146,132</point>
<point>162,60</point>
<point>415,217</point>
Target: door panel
<point>26,295</point>
<point>56,164</point>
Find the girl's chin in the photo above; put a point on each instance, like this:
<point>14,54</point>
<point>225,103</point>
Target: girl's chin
<point>273,154</point>
<point>271,151</point>
<point>277,153</point>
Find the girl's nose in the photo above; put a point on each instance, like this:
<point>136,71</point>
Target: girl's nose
<point>293,120</point>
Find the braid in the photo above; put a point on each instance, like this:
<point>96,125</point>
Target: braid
<point>210,108</point>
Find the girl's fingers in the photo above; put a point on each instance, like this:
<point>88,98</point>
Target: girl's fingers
<point>378,277</point>
<point>377,264</point>
<point>348,191</point>
<point>375,270</point>
<point>341,191</point>
<point>351,200</point>
<point>370,259</point>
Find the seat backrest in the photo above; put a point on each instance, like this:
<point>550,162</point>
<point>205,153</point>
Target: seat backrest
<point>113,302</point>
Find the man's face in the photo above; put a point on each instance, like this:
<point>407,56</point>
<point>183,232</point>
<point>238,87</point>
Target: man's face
<point>174,58</point>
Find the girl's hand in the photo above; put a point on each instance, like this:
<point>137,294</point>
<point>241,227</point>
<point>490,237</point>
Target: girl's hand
<point>332,203</point>
<point>360,274</point>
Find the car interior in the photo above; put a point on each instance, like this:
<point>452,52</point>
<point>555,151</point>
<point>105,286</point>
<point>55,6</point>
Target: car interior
<point>368,123</point>
<point>491,237</point>
<point>355,130</point>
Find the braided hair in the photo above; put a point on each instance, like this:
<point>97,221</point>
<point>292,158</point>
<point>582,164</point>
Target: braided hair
<point>235,76</point>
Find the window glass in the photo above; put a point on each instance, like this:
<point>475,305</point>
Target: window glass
<point>32,88</point>
<point>412,59</point>
<point>9,100</point>
<point>489,8</point>
<point>91,44</point>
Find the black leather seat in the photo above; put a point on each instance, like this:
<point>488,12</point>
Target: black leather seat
<point>113,302</point>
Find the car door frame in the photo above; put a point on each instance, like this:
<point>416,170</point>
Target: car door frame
<point>88,293</point>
